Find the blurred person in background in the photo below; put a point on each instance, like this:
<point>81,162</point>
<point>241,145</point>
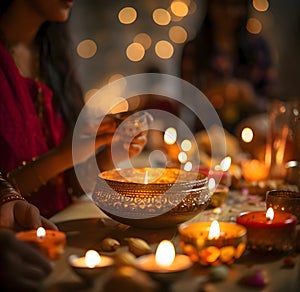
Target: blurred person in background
<point>231,66</point>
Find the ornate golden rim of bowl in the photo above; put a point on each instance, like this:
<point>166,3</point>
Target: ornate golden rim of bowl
<point>170,196</point>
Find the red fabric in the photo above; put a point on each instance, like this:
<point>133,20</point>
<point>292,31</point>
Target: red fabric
<point>21,131</point>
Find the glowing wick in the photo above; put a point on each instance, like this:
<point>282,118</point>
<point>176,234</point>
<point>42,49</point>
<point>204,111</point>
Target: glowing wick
<point>146,179</point>
<point>270,214</point>
<point>165,253</point>
<point>41,232</point>
<point>92,258</point>
<point>214,230</point>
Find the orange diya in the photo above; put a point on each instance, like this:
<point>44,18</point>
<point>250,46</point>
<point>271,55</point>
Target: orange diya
<point>269,231</point>
<point>51,243</point>
<point>213,243</point>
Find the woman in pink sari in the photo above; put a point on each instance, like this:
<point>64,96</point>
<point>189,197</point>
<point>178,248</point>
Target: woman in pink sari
<point>40,99</point>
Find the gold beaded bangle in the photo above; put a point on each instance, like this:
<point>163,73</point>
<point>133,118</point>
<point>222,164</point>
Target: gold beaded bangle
<point>10,198</point>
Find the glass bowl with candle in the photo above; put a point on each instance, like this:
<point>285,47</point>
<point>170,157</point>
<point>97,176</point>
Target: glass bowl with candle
<point>213,243</point>
<point>151,197</point>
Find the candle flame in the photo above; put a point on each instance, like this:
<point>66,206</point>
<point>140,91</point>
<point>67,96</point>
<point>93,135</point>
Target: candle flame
<point>214,230</point>
<point>92,258</point>
<point>165,253</point>
<point>225,163</point>
<point>270,214</point>
<point>146,179</point>
<point>40,232</point>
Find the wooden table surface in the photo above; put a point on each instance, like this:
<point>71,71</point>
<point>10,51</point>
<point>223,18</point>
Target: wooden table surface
<point>85,226</point>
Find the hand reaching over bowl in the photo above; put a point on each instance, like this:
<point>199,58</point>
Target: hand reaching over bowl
<point>128,140</point>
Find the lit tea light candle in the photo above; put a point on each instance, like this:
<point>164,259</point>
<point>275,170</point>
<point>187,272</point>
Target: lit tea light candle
<point>165,265</point>
<point>269,231</point>
<point>165,260</point>
<point>49,242</point>
<point>92,259</point>
<point>91,265</point>
<point>213,243</point>
<point>254,170</point>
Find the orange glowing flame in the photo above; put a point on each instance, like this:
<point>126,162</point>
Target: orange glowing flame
<point>40,232</point>
<point>214,230</point>
<point>165,253</point>
<point>270,214</point>
<point>92,258</point>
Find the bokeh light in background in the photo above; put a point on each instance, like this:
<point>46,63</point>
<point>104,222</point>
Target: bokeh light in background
<point>135,52</point>
<point>179,8</point>
<point>127,15</point>
<point>164,49</point>
<point>260,5</point>
<point>161,16</point>
<point>178,34</point>
<point>182,157</point>
<point>186,145</point>
<point>254,26</point>
<point>115,77</point>
<point>170,136</point>
<point>247,135</point>
<point>144,39</point>
<point>188,166</point>
<point>87,49</point>
<point>128,37</point>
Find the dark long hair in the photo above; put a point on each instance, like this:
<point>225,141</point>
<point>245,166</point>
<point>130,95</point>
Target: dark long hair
<point>58,69</point>
<point>57,66</point>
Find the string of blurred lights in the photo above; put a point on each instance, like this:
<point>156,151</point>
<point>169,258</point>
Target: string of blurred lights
<point>164,17</point>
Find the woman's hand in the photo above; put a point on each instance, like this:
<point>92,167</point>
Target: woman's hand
<point>18,215</point>
<point>110,156</point>
<point>124,146</point>
<point>22,268</point>
<point>86,141</point>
